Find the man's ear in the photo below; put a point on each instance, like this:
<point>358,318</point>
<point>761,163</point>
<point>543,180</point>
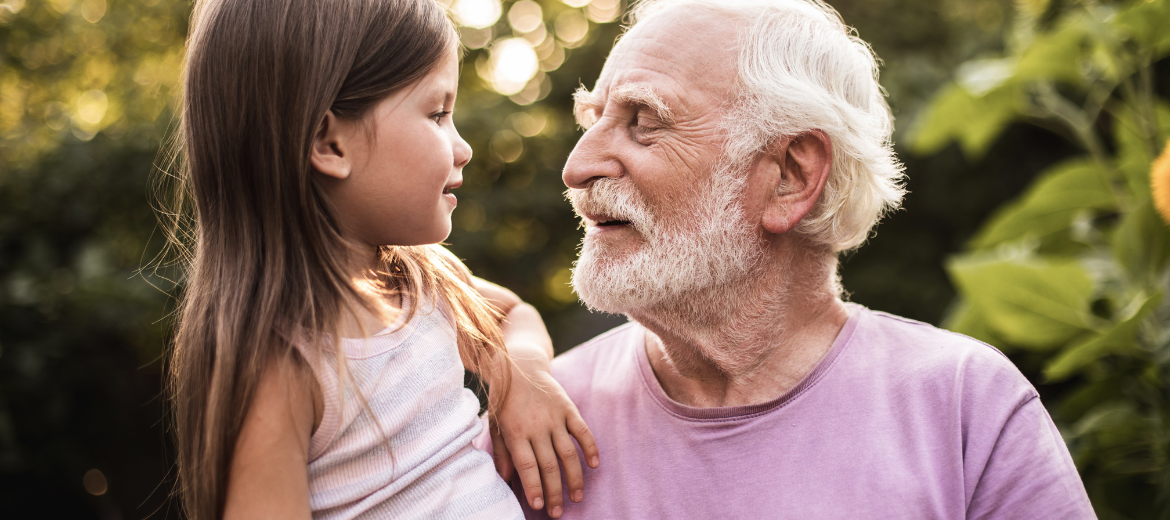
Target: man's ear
<point>331,153</point>
<point>797,168</point>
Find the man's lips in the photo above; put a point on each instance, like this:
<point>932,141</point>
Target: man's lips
<point>600,220</point>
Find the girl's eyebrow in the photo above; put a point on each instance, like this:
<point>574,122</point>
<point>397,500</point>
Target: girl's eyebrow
<point>443,97</point>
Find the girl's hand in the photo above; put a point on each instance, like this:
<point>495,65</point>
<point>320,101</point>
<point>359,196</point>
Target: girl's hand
<point>537,423</point>
<point>536,427</point>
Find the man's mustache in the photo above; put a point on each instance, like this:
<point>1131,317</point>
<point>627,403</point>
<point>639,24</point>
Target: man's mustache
<point>614,199</point>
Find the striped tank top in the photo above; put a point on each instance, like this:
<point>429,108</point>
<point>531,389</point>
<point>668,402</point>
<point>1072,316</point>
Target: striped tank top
<point>412,380</point>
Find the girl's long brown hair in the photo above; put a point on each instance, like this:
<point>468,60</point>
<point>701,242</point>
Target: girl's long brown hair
<point>266,264</point>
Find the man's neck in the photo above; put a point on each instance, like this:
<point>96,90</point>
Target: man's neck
<point>750,348</point>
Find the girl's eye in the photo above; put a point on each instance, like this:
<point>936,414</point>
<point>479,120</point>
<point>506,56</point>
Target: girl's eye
<point>439,116</point>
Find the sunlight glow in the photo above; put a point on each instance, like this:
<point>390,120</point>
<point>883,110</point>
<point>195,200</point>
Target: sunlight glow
<point>92,105</point>
<point>477,14</point>
<point>513,62</point>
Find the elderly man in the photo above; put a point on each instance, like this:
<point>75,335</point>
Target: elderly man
<point>732,150</point>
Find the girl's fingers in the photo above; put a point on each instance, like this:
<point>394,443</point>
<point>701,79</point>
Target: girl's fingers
<point>529,471</point>
<point>550,473</point>
<point>584,437</point>
<point>572,464</point>
<point>501,455</point>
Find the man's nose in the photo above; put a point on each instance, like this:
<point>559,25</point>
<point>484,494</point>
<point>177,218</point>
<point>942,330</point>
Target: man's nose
<point>594,157</point>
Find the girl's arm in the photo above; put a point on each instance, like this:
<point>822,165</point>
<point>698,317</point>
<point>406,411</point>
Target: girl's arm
<point>537,424</point>
<point>268,477</point>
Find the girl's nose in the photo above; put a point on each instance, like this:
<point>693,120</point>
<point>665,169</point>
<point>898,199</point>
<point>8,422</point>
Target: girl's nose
<point>462,151</point>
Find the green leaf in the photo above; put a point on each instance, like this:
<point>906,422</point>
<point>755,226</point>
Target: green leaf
<point>974,121</point>
<point>1118,436</point>
<point>1080,401</point>
<point>964,319</point>
<point>1145,22</point>
<point>1118,340</point>
<point>1162,114</point>
<point>1141,242</point>
<point>1030,302</point>
<point>1134,155</point>
<point>1050,204</point>
<point>1056,55</point>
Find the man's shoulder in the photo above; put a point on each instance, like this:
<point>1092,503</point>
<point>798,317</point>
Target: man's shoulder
<point>920,353</point>
<point>601,346</point>
<point>608,359</point>
<point>907,336</point>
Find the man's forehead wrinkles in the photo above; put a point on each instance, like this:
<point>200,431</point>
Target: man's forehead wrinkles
<point>677,80</point>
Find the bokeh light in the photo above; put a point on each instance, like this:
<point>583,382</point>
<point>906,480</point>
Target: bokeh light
<point>529,124</point>
<point>91,107</point>
<point>507,146</point>
<point>61,6</point>
<point>475,38</point>
<point>525,16</point>
<point>12,6</point>
<point>477,14</point>
<point>603,11</point>
<point>95,482</point>
<point>93,10</point>
<point>576,3</point>
<point>56,115</point>
<point>557,285</point>
<point>535,90</point>
<point>571,27</point>
<point>512,63</point>
<point>537,36</point>
<point>551,54</point>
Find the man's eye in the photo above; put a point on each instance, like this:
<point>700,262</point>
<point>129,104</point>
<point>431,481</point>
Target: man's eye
<point>646,123</point>
<point>439,116</point>
<point>644,127</point>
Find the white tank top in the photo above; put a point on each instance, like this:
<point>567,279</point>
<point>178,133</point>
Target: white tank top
<point>412,380</point>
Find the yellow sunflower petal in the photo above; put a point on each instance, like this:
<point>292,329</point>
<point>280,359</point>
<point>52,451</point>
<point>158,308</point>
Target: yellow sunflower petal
<point>1160,183</point>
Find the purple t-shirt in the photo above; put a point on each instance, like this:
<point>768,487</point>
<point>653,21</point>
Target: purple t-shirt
<point>898,420</point>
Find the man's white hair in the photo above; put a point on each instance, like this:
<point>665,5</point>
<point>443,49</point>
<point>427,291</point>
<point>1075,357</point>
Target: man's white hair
<point>802,69</point>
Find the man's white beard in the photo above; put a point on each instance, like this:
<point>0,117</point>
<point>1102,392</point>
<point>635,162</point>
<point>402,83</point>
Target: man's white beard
<point>678,266</point>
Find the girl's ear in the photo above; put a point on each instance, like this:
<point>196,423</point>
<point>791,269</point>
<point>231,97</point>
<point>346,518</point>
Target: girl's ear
<point>798,167</point>
<point>331,154</point>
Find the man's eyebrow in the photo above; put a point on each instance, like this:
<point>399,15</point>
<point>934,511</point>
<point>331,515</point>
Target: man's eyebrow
<point>643,95</point>
<point>586,104</point>
<point>585,107</point>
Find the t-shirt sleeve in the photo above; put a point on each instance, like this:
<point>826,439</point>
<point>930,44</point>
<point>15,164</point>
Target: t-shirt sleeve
<point>1029,473</point>
<point>483,441</point>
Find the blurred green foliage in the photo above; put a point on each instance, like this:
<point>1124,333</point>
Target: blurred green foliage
<point>87,96</point>
<point>1070,277</point>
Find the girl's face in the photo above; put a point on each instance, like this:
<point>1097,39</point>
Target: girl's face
<point>389,175</point>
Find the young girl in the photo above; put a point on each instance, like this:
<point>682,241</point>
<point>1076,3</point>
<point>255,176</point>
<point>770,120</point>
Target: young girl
<point>318,363</point>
